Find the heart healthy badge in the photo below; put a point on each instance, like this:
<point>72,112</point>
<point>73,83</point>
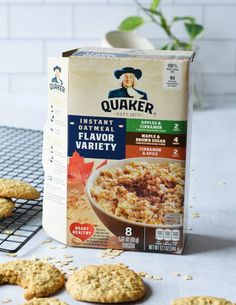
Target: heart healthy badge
<point>82,231</point>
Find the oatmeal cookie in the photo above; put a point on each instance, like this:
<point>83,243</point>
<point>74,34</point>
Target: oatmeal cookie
<point>201,301</point>
<point>6,207</point>
<point>38,278</point>
<point>105,284</point>
<point>17,189</point>
<point>45,301</point>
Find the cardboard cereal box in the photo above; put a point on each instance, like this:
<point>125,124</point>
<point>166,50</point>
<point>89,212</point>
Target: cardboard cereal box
<point>116,149</point>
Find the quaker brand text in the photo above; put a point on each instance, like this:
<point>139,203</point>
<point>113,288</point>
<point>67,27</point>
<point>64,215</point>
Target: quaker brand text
<point>110,105</point>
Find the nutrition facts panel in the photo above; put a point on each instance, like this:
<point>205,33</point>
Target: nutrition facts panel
<point>167,234</point>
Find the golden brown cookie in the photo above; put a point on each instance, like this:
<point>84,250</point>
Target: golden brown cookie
<point>201,301</point>
<point>105,284</point>
<point>17,189</point>
<point>38,278</point>
<point>6,207</point>
<point>45,301</point>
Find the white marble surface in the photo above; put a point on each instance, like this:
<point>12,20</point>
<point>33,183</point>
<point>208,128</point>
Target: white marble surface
<point>210,253</point>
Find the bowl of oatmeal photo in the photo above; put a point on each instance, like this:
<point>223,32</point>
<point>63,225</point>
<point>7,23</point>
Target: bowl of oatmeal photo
<point>138,191</point>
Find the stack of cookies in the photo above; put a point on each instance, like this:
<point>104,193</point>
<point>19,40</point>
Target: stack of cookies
<point>9,189</point>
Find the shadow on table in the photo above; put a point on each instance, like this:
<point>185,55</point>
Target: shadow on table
<point>147,295</point>
<point>197,243</point>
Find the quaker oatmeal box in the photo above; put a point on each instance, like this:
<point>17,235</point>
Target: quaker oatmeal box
<point>116,149</point>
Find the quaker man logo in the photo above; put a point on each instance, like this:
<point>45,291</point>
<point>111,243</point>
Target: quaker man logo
<point>56,82</point>
<point>127,97</point>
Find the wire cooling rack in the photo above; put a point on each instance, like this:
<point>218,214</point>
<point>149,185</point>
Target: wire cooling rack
<point>20,158</point>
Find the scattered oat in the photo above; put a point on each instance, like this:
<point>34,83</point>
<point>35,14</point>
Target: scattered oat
<point>34,258</point>
<point>123,265</point>
<point>195,215</point>
<point>6,301</point>
<point>110,253</point>
<point>63,263</point>
<point>222,182</point>
<point>118,251</point>
<point>72,268</point>
<point>68,256</point>
<point>48,258</point>
<point>107,256</point>
<point>189,229</point>
<point>142,274</point>
<point>157,278</point>
<point>12,254</point>
<point>190,206</point>
<point>8,232</point>
<point>176,274</point>
<point>52,247</point>
<point>69,261</point>
<point>46,241</point>
<point>187,277</point>
<point>57,261</point>
<point>62,247</point>
<point>148,276</point>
